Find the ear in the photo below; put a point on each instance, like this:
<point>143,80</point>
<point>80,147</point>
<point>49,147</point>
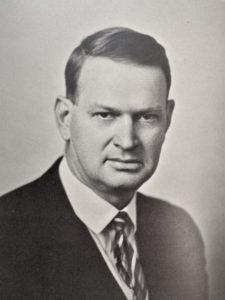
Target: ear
<point>63,112</point>
<point>169,111</point>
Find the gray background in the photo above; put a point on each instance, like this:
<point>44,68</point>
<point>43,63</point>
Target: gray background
<point>36,38</point>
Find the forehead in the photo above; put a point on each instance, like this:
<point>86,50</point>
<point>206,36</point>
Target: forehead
<point>103,79</point>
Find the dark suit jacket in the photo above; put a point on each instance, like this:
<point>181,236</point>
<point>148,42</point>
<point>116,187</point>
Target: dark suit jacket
<point>46,252</point>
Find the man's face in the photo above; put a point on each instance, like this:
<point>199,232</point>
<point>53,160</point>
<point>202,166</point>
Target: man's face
<point>118,124</point>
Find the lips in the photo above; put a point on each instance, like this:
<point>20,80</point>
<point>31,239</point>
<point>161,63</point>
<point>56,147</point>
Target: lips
<point>129,164</point>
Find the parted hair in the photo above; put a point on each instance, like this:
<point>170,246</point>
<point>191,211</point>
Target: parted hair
<point>119,44</point>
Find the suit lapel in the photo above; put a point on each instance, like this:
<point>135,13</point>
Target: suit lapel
<point>79,266</point>
<point>143,236</point>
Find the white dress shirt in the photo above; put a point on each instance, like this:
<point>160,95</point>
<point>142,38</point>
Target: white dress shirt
<point>96,213</point>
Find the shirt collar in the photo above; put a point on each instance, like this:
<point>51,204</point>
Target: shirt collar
<point>95,212</point>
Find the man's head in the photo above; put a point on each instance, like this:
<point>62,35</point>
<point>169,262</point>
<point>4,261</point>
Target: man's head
<point>117,111</point>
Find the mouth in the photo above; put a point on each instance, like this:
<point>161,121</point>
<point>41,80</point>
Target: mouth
<point>130,165</point>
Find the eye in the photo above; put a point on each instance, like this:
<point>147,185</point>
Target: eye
<point>104,115</point>
<point>148,117</point>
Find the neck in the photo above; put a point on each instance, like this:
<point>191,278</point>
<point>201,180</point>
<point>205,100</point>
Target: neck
<point>119,199</point>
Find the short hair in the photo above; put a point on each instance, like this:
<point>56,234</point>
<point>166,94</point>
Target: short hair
<point>119,44</point>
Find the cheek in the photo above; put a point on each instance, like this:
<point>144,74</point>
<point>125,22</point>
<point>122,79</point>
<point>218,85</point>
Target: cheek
<point>86,141</point>
<point>153,140</point>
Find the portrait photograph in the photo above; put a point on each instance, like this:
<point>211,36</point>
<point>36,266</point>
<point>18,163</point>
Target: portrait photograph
<point>112,169</point>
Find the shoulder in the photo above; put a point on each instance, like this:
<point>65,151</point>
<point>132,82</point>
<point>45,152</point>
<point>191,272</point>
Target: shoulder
<point>22,196</point>
<point>160,209</point>
<point>168,220</point>
<point>31,197</point>
<point>169,234</point>
<point>28,215</point>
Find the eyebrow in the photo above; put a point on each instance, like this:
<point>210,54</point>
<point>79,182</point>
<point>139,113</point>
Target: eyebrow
<point>116,110</point>
<point>104,107</point>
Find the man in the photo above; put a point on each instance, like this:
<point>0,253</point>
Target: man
<point>82,231</point>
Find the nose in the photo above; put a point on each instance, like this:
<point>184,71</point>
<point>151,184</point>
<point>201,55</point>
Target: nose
<point>125,135</point>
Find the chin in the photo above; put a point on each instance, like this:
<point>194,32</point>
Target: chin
<point>126,184</point>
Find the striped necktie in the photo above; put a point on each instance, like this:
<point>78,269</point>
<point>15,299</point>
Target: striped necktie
<point>127,262</point>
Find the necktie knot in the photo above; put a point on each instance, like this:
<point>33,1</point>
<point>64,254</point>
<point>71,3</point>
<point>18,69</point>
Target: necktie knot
<point>122,223</point>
